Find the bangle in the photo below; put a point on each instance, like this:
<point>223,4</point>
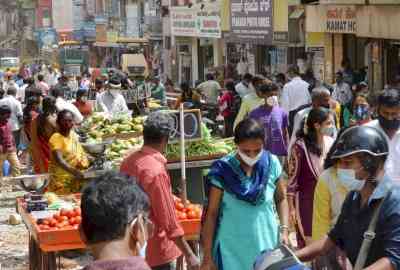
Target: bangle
<point>283,228</point>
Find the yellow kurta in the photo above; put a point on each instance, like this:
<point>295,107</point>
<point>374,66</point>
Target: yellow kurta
<point>328,199</point>
<point>61,181</point>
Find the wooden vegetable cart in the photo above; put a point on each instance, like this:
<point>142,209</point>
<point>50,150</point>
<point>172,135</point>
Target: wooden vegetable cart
<point>44,244</point>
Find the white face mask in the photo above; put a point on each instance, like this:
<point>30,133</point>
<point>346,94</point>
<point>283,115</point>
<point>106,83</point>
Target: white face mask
<point>248,160</point>
<point>272,101</point>
<point>348,178</point>
<point>141,250</point>
<point>113,92</point>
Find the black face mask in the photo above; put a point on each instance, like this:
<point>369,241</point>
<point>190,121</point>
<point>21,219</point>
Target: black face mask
<point>389,124</point>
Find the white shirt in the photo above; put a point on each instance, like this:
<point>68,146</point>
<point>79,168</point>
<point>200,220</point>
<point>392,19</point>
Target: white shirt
<point>242,89</point>
<point>51,78</point>
<point>21,92</point>
<point>111,103</point>
<point>342,93</point>
<point>16,111</point>
<point>295,94</point>
<point>392,169</point>
<point>62,104</point>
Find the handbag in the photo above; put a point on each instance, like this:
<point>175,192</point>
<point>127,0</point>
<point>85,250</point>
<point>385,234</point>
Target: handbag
<point>369,236</point>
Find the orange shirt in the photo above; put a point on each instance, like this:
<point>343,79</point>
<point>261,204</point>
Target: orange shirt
<point>149,168</point>
<point>85,108</point>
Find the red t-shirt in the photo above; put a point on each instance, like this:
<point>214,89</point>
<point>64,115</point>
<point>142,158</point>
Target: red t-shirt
<point>84,107</point>
<point>7,143</point>
<point>149,168</point>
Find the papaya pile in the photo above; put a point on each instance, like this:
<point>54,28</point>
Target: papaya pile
<point>119,148</point>
<point>98,125</point>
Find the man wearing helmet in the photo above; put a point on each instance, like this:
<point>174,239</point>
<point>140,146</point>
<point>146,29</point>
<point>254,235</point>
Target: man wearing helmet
<point>365,150</point>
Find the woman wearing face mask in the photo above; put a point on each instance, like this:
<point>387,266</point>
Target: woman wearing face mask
<point>82,104</point>
<point>359,113</point>
<point>307,156</point>
<point>115,223</point>
<point>244,189</point>
<point>364,151</point>
<point>68,159</point>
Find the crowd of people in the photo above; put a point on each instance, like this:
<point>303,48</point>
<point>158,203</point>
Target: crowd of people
<point>316,160</point>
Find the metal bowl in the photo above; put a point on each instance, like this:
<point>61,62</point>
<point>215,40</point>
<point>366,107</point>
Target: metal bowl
<point>37,182</point>
<point>95,148</point>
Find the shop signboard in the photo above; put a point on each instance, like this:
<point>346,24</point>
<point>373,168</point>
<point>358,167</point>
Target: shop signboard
<point>183,22</point>
<point>251,21</point>
<point>208,24</point>
<point>331,19</point>
<point>101,33</point>
<point>384,2</point>
<point>89,30</point>
<point>77,11</point>
<point>190,22</point>
<point>46,37</point>
<point>341,19</point>
<point>62,15</point>
<point>343,2</point>
<point>112,36</point>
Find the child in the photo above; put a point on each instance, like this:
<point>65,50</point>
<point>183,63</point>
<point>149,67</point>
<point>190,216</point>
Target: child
<point>8,151</point>
<point>274,119</point>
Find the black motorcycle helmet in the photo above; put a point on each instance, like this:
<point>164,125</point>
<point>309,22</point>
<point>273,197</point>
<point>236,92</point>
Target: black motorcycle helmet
<point>363,139</point>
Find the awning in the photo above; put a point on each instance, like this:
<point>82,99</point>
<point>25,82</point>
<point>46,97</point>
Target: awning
<point>106,44</point>
<point>296,14</point>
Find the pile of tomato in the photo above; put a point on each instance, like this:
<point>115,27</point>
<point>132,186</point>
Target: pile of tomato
<point>64,219</point>
<point>191,211</point>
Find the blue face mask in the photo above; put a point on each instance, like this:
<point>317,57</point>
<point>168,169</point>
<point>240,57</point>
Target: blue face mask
<point>348,179</point>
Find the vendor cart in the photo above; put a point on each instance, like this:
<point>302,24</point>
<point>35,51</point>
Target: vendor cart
<point>44,244</point>
<point>195,173</point>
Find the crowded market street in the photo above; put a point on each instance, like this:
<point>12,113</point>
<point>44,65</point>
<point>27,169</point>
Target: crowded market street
<point>199,135</point>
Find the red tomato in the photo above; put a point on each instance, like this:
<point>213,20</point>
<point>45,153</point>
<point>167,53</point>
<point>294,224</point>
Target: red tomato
<point>56,216</point>
<point>76,226</point>
<point>70,214</point>
<point>182,216</point>
<point>53,222</point>
<point>62,224</point>
<point>191,214</point>
<point>46,221</point>
<point>78,220</point>
<point>63,218</point>
<point>72,221</point>
<point>77,211</point>
<point>179,206</point>
<point>68,227</point>
<point>63,212</point>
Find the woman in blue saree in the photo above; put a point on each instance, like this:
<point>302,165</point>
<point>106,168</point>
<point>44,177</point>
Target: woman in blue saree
<point>247,209</point>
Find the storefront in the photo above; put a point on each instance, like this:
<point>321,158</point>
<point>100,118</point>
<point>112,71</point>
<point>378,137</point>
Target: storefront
<point>379,24</point>
<point>249,42</point>
<point>196,42</point>
<point>336,36</point>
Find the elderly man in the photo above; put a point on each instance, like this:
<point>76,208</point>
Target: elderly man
<point>148,165</point>
<point>320,97</point>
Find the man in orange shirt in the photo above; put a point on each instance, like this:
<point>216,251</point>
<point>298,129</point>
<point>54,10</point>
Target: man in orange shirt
<point>148,165</point>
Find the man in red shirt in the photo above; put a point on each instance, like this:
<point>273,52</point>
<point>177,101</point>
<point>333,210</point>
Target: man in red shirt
<point>8,150</point>
<point>148,165</point>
